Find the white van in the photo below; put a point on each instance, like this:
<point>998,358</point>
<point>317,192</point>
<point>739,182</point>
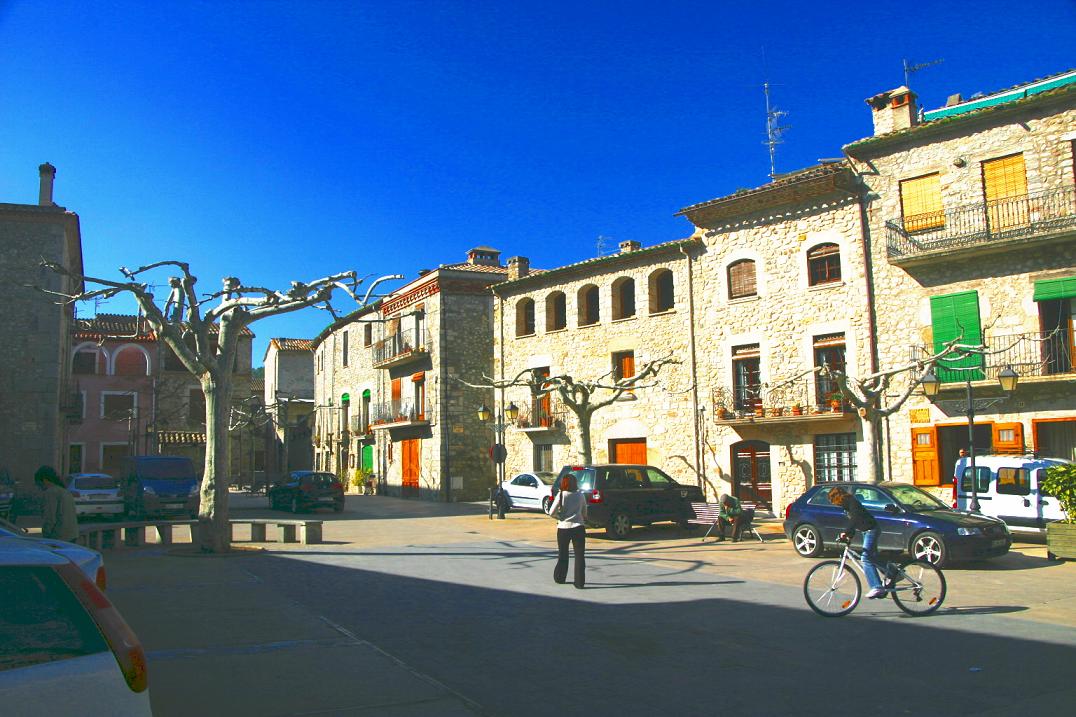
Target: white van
<point>1008,488</point>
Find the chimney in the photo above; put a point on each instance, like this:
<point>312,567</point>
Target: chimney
<point>893,111</point>
<point>518,267</point>
<point>48,174</point>
<point>628,246</point>
<point>484,256</point>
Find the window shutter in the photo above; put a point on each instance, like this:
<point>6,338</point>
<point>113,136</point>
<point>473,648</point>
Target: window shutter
<point>742,279</point>
<point>954,315</point>
<point>1004,177</point>
<point>920,203</point>
<point>925,456</point>
<point>1054,289</point>
<point>1008,437</point>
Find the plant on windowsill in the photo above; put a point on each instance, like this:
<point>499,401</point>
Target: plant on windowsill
<point>722,413</point>
<point>759,411</point>
<point>835,402</point>
<point>775,412</point>
<point>797,409</point>
<point>1060,482</point>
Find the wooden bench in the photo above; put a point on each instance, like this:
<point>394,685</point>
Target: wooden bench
<point>133,535</point>
<point>707,514</point>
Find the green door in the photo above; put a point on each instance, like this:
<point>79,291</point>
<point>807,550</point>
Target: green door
<point>368,458</point>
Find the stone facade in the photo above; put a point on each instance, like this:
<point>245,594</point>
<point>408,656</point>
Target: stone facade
<point>390,385</point>
<point>289,401</point>
<point>35,383</point>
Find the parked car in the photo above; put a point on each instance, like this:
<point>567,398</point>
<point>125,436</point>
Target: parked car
<point>912,521</point>
<point>306,490</point>
<point>89,561</point>
<point>530,490</point>
<point>66,649</point>
<point>7,494</point>
<point>1008,488</point>
<point>621,495</point>
<point>96,494</point>
<point>160,485</point>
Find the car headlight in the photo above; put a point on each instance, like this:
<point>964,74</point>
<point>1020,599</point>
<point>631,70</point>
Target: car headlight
<point>148,491</point>
<point>969,531</point>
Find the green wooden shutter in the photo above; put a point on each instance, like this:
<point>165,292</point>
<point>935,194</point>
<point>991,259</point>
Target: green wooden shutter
<point>954,315</point>
<point>1054,289</point>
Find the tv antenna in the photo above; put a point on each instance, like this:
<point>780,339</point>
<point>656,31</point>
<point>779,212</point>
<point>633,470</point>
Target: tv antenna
<point>910,69</point>
<point>774,129</point>
<point>603,244</point>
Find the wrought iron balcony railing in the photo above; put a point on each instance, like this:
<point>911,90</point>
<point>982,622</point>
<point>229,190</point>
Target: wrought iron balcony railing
<point>400,346</point>
<point>970,226</point>
<point>541,416</point>
<point>1033,354</point>
<point>806,397</point>
<point>400,411</point>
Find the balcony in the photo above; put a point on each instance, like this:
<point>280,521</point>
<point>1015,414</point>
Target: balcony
<point>1037,356</point>
<point>540,417</point>
<point>999,224</point>
<point>399,414</point>
<point>789,402</point>
<point>401,348</point>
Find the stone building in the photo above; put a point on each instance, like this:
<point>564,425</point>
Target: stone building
<point>134,397</point>
<point>973,227</point>
<point>389,384</point>
<point>36,332</point>
<point>289,403</point>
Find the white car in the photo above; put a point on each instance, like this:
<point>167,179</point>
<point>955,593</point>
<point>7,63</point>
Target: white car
<point>530,490</point>
<point>96,494</point>
<point>89,561</point>
<point>1008,488</point>
<point>64,648</point>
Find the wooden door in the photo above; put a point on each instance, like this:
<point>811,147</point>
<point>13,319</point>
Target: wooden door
<point>409,452</point>
<point>627,450</point>
<point>751,480</point>
<point>397,392</point>
<point>925,467</point>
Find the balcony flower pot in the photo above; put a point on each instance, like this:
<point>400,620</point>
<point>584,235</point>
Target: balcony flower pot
<point>797,410</point>
<point>835,405</point>
<point>1060,481</point>
<point>775,412</point>
<point>759,411</point>
<point>722,414</point>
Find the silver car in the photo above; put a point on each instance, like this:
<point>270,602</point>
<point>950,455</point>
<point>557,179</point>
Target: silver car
<point>96,494</point>
<point>531,490</point>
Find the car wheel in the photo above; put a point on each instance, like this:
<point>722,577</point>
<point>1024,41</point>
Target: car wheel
<point>807,541</point>
<point>619,525</point>
<point>546,502</point>
<point>929,548</point>
<point>295,505</point>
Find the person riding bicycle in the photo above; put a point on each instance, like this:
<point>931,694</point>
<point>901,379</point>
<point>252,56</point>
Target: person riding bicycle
<point>864,522</point>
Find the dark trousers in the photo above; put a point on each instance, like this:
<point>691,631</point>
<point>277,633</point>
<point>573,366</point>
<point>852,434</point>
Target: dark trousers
<point>736,523</point>
<point>578,538</point>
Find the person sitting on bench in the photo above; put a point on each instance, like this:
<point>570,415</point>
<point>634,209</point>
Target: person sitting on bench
<point>730,513</point>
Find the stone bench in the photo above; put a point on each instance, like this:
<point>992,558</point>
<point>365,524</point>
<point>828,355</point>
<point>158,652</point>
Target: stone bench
<point>307,532</point>
<point>117,536</point>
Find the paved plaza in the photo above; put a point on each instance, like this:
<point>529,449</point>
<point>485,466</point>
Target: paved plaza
<point>412,608</point>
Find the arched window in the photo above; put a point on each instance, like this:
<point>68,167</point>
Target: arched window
<point>86,362</point>
<point>623,298</point>
<point>588,305</point>
<point>823,264</point>
<point>661,291</point>
<point>130,361</point>
<point>525,317</point>
<point>556,311</point>
<point>741,275</point>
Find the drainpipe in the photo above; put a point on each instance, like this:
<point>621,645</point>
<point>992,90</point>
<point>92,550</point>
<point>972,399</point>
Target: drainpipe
<point>700,468</point>
<point>445,386</point>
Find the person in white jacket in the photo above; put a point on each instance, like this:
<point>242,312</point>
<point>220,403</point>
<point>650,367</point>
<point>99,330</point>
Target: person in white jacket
<point>570,510</point>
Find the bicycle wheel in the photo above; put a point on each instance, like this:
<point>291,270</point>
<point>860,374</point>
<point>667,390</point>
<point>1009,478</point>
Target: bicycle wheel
<point>830,590</point>
<point>919,588</point>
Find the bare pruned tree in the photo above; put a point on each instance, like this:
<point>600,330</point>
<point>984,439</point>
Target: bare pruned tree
<point>203,332</point>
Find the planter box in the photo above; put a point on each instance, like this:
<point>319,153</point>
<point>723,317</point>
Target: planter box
<point>1061,540</point>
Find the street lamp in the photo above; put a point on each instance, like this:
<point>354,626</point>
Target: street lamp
<point>498,452</point>
<point>1007,378</point>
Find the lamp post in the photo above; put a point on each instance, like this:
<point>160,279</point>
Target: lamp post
<point>498,452</point>
<point>1007,378</point>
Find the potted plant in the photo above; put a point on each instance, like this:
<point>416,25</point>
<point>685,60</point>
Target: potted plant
<point>1060,482</point>
<point>759,411</point>
<point>835,401</point>
<point>797,409</point>
<point>775,412</point>
<point>722,413</point>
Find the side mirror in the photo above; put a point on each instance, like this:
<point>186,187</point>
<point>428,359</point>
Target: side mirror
<point>890,508</point>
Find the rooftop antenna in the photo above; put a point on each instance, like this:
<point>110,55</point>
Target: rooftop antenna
<point>603,244</point>
<point>910,69</point>
<point>774,129</point>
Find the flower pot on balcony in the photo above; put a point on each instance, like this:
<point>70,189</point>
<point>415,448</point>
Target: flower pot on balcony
<point>722,414</point>
<point>775,412</point>
<point>797,410</point>
<point>835,405</point>
<point>759,411</point>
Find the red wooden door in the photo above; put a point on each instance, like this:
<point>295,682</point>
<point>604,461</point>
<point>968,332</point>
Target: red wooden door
<point>627,450</point>
<point>409,451</point>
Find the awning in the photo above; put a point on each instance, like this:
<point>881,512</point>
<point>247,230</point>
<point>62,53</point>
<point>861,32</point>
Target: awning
<point>1053,289</point>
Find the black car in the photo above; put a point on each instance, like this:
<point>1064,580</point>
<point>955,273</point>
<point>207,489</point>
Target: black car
<point>621,495</point>
<point>912,521</point>
<point>306,490</point>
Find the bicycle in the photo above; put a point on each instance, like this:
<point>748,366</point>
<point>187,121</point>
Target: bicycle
<point>832,589</point>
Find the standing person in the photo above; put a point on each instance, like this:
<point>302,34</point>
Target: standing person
<point>864,522</point>
<point>730,513</point>
<point>571,528</point>
<point>58,519</point>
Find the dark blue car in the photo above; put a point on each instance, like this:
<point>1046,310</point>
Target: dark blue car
<point>912,521</point>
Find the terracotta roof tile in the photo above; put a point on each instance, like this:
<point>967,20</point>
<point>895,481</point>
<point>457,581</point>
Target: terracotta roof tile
<point>282,344</point>
<point>481,268</point>
<point>105,326</point>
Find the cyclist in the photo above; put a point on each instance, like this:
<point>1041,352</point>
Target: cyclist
<point>865,523</point>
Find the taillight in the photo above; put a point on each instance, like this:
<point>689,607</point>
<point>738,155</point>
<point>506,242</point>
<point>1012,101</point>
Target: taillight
<point>594,496</point>
<point>788,510</point>
<point>954,492</point>
<point>100,578</point>
<point>120,637</point>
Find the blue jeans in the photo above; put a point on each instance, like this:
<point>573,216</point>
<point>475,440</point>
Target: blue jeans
<point>870,567</point>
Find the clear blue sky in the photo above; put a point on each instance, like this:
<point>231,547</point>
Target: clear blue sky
<point>286,140</point>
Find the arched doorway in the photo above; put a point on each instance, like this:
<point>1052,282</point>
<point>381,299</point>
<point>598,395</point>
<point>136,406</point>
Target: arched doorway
<point>751,472</point>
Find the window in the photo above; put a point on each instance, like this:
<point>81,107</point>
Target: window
<point>343,347</point>
<point>74,458</point>
<point>659,479</point>
<point>588,305</point>
<point>118,406</point>
<point>741,276</point>
<point>543,457</point>
<point>823,264</point>
<point>84,363</point>
<point>418,380</point>
<point>525,317</point>
<point>365,416</point>
<point>829,351</point>
<point>746,377</point>
<point>835,457</point>
<point>131,362</point>
<point>540,405</point>
<point>871,498</point>
<point>195,406</point>
<point>1056,300</point>
<point>1014,481</point>
<point>1005,189</point>
<point>556,311</point>
<point>982,480</point>
<point>662,296</point>
<point>367,334</point>
<point>956,316</point>
<point>920,203</point>
<point>623,298</point>
<point>623,365</point>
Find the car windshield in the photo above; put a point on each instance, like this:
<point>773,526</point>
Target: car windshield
<point>166,469</point>
<point>912,498</point>
<point>324,480</point>
<point>94,482</point>
<point>584,477</point>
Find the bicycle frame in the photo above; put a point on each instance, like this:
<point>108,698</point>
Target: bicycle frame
<point>892,572</point>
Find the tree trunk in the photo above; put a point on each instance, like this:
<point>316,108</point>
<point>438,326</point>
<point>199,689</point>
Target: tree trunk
<point>872,432</point>
<point>214,529</point>
<point>585,450</point>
